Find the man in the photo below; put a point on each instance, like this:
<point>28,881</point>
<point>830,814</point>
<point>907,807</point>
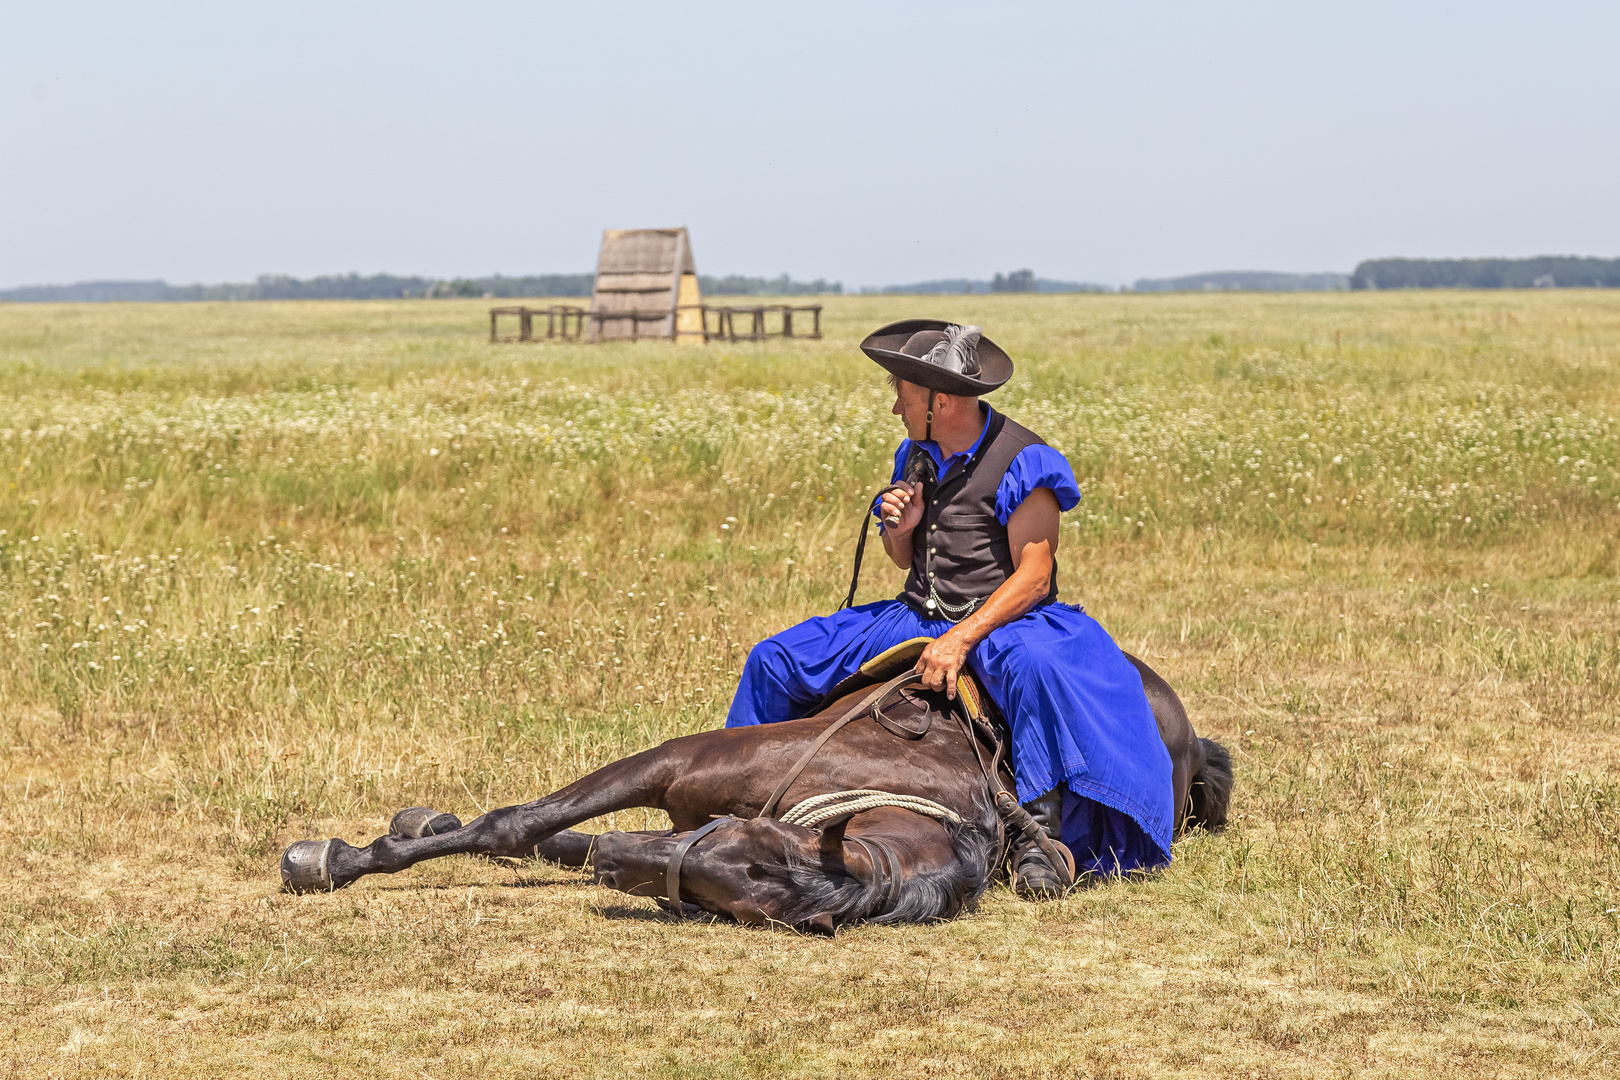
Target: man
<point>972,514</point>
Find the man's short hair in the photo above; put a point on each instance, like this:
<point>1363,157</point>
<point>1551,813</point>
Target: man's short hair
<point>895,381</point>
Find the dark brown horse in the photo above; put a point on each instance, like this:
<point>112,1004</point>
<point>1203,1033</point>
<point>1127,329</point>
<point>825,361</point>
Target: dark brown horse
<point>886,863</point>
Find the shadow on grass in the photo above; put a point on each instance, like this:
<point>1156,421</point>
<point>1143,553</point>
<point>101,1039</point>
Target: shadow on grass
<point>626,913</point>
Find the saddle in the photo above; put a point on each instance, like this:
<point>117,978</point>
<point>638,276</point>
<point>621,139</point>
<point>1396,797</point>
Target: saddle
<point>896,661</point>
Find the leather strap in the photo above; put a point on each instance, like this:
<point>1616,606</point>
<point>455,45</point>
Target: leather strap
<point>896,729</point>
<point>869,702</point>
<point>672,873</point>
<point>886,867</point>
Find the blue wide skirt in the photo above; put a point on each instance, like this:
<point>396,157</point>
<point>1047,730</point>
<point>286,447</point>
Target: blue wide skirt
<point>1075,704</point>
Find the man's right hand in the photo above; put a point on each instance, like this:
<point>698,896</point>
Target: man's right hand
<point>901,508</point>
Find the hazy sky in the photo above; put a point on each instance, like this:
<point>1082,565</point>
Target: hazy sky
<point>871,143</point>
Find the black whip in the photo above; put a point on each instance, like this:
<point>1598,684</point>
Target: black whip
<point>920,467</point>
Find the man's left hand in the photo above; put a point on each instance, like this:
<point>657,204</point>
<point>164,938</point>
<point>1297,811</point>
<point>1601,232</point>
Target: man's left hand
<point>942,661</point>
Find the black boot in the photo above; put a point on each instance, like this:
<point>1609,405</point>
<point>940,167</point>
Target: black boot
<point>1034,876</point>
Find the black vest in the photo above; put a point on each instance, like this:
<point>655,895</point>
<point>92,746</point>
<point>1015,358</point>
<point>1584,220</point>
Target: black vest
<point>960,547</point>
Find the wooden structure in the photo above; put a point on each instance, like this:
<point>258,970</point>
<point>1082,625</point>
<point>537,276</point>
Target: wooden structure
<point>726,322</point>
<point>564,322</point>
<point>646,286</point>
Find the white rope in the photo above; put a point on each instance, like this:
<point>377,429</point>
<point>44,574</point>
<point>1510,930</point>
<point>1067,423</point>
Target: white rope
<point>818,808</point>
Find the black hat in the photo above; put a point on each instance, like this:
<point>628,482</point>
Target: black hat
<point>939,355</point>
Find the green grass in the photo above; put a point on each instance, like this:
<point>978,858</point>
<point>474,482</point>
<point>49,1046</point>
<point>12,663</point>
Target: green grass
<point>275,570</point>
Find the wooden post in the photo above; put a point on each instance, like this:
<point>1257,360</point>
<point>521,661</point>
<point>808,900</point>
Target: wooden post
<point>675,286</point>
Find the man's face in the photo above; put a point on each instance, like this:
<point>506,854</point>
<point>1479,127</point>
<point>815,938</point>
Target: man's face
<point>911,406</point>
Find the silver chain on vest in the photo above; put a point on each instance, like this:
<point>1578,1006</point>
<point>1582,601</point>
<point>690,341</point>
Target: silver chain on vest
<point>953,612</point>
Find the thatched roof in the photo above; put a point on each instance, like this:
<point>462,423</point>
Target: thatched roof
<point>645,274</point>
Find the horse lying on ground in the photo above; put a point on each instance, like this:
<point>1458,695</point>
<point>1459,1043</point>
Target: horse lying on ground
<point>893,796</point>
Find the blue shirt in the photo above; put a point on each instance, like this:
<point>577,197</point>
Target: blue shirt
<point>1036,466</point>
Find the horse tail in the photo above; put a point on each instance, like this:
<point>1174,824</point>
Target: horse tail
<point>1211,790</point>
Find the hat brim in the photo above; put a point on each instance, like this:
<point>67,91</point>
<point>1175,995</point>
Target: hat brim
<point>883,346</point>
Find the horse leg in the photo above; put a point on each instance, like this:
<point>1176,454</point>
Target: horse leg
<point>512,831</point>
<point>568,847</point>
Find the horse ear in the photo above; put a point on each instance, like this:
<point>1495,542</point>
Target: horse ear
<point>821,924</point>
<point>832,839</point>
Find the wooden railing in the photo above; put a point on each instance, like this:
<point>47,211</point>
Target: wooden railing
<point>726,322</point>
<point>564,322</point>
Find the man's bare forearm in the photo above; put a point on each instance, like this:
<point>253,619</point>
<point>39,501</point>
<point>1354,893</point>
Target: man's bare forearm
<point>898,545</point>
<point>1032,533</point>
<point>1010,602</point>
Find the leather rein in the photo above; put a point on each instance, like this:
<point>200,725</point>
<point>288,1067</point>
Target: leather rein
<point>886,865</point>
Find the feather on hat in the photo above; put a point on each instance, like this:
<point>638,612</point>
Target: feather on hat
<point>947,357</point>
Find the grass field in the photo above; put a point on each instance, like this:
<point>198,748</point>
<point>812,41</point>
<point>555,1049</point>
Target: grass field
<point>272,571</point>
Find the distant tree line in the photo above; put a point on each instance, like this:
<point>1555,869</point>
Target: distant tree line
<point>498,285</point>
<point>737,285</point>
<point>1019,281</point>
<point>1548,271</point>
<point>385,286</point>
<point>1544,272</point>
<point>1245,281</point>
<point>267,287</point>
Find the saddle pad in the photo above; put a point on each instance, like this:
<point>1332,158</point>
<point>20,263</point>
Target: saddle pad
<point>891,662</point>
<point>899,658</point>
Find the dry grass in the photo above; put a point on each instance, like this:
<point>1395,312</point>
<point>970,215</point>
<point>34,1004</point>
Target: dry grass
<point>276,570</point>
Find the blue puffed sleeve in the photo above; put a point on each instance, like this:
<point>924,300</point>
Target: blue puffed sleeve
<point>1037,466</point>
<point>900,456</point>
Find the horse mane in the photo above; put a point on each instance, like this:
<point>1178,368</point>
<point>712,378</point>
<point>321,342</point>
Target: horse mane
<point>924,897</point>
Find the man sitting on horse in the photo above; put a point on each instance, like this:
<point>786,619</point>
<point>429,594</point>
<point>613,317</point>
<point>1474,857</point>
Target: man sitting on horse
<point>973,513</point>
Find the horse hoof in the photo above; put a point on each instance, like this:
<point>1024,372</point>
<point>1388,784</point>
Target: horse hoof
<point>304,867</point>
<point>419,821</point>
